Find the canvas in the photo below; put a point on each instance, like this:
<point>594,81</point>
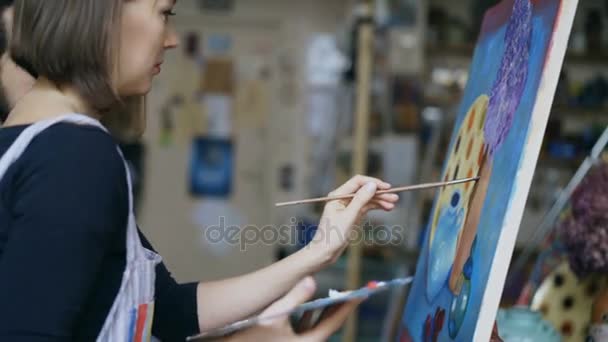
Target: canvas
<point>497,136</point>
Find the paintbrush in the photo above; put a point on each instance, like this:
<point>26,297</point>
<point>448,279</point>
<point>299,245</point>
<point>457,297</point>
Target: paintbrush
<point>393,190</point>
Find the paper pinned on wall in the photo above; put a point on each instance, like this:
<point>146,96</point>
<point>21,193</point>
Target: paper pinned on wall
<point>218,109</point>
<point>218,44</point>
<point>180,113</point>
<point>325,63</point>
<point>252,103</point>
<point>218,76</point>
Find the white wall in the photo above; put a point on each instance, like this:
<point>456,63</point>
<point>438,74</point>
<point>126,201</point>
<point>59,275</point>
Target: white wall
<point>167,209</point>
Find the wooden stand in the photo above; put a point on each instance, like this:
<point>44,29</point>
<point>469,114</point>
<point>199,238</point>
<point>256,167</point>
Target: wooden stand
<point>364,74</point>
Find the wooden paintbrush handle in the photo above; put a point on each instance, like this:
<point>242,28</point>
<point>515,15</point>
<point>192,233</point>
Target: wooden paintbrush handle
<point>393,190</point>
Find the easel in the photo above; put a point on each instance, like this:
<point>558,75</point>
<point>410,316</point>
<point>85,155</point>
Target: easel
<point>552,215</point>
<point>364,73</point>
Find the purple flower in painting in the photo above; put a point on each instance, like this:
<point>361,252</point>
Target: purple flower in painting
<point>510,81</point>
<point>585,232</point>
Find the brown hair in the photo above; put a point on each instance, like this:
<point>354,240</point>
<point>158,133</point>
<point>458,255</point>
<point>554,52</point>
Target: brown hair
<point>75,42</point>
<point>126,120</point>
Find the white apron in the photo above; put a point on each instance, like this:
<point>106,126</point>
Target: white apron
<point>130,318</point>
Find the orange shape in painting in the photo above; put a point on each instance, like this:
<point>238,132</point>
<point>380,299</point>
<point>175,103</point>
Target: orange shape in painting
<point>567,328</point>
<point>459,157</point>
<point>471,119</point>
<point>469,149</point>
<point>462,160</point>
<point>469,175</point>
<point>480,157</point>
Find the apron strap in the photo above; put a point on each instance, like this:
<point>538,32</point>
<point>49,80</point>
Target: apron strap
<point>21,143</point>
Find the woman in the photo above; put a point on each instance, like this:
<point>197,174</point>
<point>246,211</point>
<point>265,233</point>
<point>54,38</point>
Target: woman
<point>73,265</point>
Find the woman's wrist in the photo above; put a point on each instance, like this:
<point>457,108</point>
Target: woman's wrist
<point>314,257</point>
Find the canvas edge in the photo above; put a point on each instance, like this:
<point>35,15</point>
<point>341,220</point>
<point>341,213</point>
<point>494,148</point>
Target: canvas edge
<point>515,210</point>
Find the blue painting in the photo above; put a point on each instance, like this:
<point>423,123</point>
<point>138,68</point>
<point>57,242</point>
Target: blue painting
<point>490,139</point>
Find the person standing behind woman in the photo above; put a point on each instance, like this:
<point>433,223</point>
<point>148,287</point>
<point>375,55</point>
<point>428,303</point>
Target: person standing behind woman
<point>14,81</point>
<point>73,265</point>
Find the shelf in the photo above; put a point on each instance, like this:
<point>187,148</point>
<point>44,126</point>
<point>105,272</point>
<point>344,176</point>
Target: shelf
<point>588,59</point>
<point>559,163</point>
<point>451,100</point>
<point>574,111</point>
<point>461,51</point>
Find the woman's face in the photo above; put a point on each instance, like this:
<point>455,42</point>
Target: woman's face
<point>145,35</point>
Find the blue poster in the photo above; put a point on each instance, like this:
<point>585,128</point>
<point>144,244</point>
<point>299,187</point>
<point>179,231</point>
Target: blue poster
<point>211,167</point>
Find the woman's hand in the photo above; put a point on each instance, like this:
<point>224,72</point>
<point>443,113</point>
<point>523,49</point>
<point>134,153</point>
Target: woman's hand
<point>230,300</point>
<point>340,216</point>
<point>279,329</point>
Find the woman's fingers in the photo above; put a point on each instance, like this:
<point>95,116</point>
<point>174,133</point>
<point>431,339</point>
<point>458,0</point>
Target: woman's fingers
<point>329,325</point>
<point>361,199</point>
<point>393,198</point>
<point>355,183</point>
<point>376,205</point>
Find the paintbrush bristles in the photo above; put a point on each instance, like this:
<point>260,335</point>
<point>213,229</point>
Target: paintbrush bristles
<point>393,190</point>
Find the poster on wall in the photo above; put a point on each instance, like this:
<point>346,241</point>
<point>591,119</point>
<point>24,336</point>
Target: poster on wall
<point>497,136</point>
<point>218,44</point>
<point>211,167</point>
<point>218,109</point>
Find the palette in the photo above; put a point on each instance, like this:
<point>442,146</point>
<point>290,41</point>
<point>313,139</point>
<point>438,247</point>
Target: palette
<point>334,298</point>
